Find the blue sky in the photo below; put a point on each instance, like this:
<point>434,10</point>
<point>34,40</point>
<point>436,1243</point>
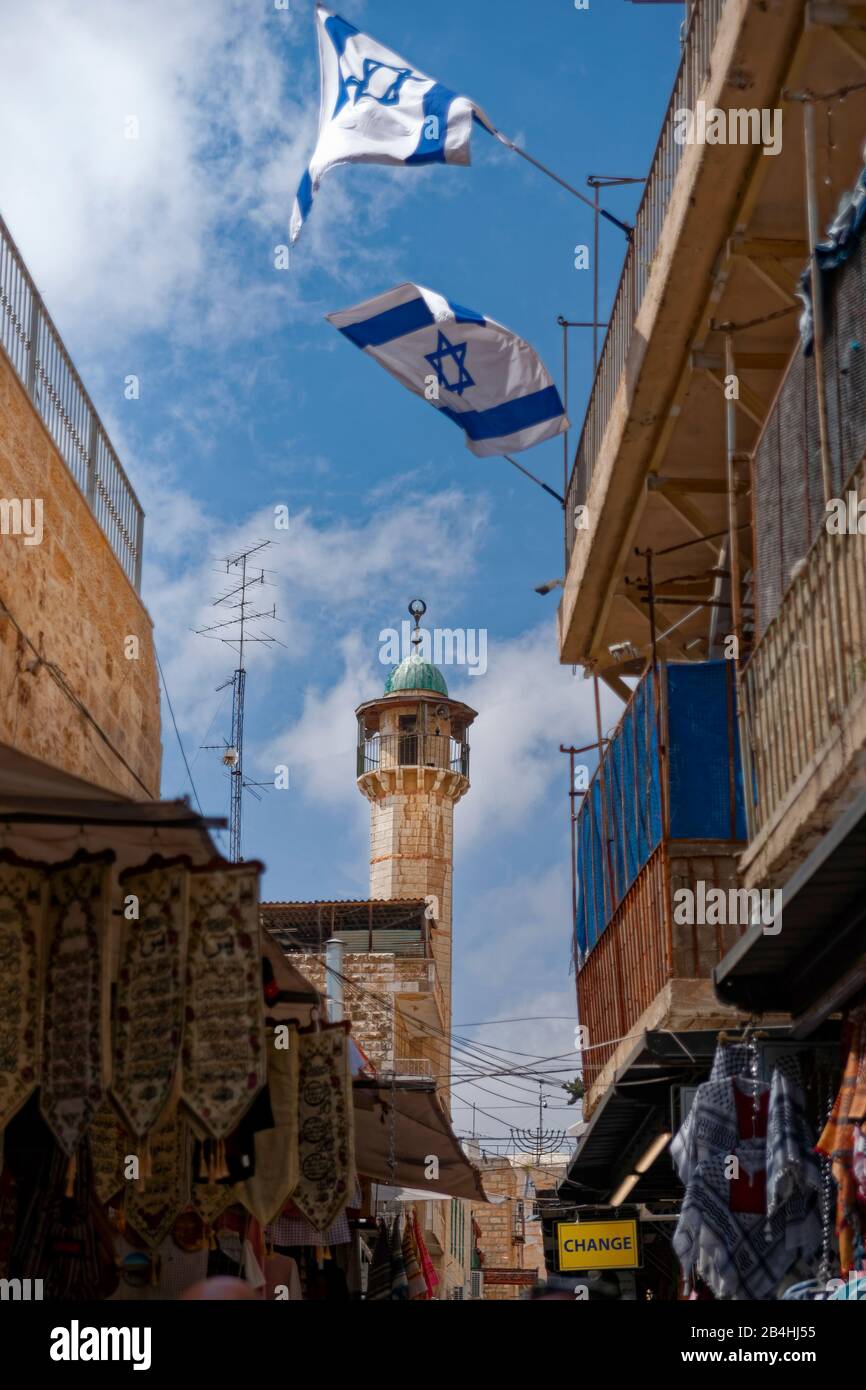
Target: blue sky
<point>156,258</point>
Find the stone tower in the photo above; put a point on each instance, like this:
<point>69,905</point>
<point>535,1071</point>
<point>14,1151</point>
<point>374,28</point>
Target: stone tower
<point>413,767</point>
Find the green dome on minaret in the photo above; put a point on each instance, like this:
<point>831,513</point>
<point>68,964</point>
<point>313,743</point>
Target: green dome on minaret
<point>414,673</point>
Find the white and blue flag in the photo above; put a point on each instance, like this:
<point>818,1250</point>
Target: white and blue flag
<point>378,109</point>
<point>482,376</point>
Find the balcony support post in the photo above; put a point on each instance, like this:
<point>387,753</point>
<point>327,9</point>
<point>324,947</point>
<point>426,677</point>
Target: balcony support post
<point>736,581</point>
<point>605,821</point>
<point>33,345</point>
<point>821,387</point>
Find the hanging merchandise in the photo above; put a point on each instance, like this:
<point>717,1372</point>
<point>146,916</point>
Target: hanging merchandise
<point>75,1033</point>
<point>8,1218</point>
<point>109,1147</point>
<point>326,1149</point>
<point>63,1236</point>
<point>149,1004</point>
<point>22,888</point>
<point>819,1289</point>
<point>431,1278</point>
<point>379,1278</point>
<point>399,1276</point>
<point>840,1143</point>
<point>223,1046</point>
<point>276,1149</point>
<point>291,1229</point>
<point>153,1203</point>
<point>751,1181</point>
<point>416,1283</point>
<point>209,1199</point>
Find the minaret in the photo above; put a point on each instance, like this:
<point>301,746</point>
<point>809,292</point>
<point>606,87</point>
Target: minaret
<point>413,767</point>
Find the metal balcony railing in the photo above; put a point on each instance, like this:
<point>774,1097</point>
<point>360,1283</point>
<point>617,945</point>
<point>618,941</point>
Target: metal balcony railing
<point>692,76</point>
<point>413,750</point>
<point>35,349</point>
<point>409,1069</point>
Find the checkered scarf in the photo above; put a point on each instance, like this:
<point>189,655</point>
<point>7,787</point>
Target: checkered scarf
<point>711,1128</point>
<point>740,1255</point>
<point>791,1163</point>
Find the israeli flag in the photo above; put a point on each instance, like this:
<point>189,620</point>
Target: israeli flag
<point>482,376</point>
<point>378,109</point>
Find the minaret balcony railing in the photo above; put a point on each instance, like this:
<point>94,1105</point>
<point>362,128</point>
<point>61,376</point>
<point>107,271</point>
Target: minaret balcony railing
<point>384,751</point>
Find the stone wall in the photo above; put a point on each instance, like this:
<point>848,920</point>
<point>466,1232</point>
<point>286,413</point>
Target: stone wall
<point>411,852</point>
<point>70,598</point>
<point>505,1242</point>
<point>372,1023</point>
<point>376,1027</point>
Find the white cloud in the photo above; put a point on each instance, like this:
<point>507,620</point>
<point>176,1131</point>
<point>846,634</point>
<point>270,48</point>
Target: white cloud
<point>133,235</point>
<point>528,704</point>
<point>329,577</point>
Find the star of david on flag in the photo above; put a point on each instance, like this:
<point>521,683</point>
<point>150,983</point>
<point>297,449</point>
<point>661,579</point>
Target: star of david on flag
<point>378,109</point>
<point>480,375</point>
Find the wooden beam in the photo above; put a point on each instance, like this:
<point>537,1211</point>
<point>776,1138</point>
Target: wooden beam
<point>617,685</point>
<point>693,517</point>
<point>774,276</point>
<point>638,607</point>
<point>749,361</point>
<point>835,13</point>
<point>748,400</point>
<point>853,44</point>
<point>760,248</point>
<point>656,481</point>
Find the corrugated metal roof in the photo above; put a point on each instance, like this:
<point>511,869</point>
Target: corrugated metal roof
<point>309,924</point>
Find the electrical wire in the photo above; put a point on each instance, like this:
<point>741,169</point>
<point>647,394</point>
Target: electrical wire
<point>177,731</point>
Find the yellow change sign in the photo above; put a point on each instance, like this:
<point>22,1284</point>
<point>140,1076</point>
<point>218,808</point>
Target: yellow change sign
<point>597,1245</point>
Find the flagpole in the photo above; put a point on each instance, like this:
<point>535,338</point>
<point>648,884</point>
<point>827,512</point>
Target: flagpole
<point>560,500</point>
<point>524,154</point>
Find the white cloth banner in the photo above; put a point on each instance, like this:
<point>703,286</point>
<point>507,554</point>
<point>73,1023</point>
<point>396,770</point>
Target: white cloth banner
<point>482,376</point>
<point>378,109</point>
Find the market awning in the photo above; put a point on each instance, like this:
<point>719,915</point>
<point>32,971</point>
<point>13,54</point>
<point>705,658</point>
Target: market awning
<point>422,1131</point>
<point>47,814</point>
<point>817,961</point>
<point>21,775</point>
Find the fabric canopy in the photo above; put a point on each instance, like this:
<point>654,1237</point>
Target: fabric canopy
<point>47,815</point>
<point>423,1131</point>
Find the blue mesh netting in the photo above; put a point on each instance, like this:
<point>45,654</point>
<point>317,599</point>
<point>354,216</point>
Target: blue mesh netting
<point>701,739</point>
<point>702,735</point>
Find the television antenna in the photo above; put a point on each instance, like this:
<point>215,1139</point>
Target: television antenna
<point>238,639</point>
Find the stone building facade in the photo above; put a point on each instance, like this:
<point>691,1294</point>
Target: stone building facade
<point>510,1243</point>
<point>67,614</point>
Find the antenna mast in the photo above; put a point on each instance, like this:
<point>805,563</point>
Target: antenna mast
<point>233,752</point>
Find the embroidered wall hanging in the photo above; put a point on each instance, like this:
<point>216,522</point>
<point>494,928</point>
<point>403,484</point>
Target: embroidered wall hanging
<point>210,1199</point>
<point>22,888</point>
<point>109,1146</point>
<point>276,1149</point>
<point>148,1015</point>
<point>75,1019</point>
<point>326,1149</point>
<point>223,1044</point>
<point>154,1203</point>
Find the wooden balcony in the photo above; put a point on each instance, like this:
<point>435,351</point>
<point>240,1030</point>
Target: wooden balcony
<point>805,682</point>
<point>809,666</point>
<point>662,813</point>
<point>643,950</point>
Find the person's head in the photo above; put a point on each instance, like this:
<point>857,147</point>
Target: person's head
<point>222,1287</point>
